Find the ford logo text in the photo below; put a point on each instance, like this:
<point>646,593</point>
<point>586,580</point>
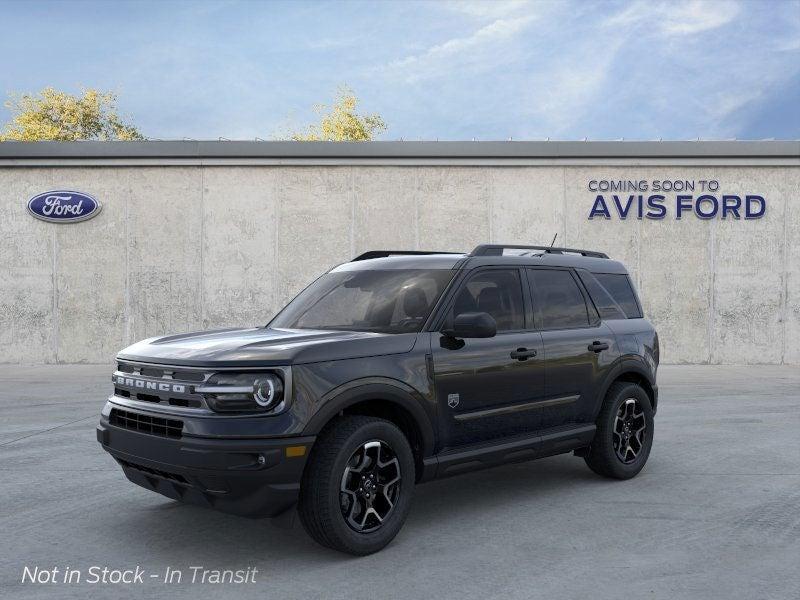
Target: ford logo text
<point>63,206</point>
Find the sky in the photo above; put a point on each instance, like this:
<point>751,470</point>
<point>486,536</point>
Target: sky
<point>434,70</point>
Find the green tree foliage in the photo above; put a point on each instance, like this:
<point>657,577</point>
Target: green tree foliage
<point>341,123</point>
<point>59,116</point>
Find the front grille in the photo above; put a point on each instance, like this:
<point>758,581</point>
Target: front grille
<point>170,428</point>
<point>159,372</point>
<point>184,402</point>
<point>166,378</point>
<point>157,472</point>
<point>148,398</point>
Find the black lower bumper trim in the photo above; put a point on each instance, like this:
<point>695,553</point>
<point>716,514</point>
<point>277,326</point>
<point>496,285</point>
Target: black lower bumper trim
<point>253,478</point>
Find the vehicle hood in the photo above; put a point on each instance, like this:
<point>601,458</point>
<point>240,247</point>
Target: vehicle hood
<point>264,346</point>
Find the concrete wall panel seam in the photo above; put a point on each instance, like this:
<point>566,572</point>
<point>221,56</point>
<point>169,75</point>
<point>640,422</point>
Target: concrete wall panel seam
<point>712,246</point>
<point>416,209</point>
<point>639,226</point>
<point>277,231</point>
<point>785,278</point>
<point>55,295</point>
<point>127,299</point>
<point>352,212</point>
<point>202,245</point>
<point>564,202</point>
<point>490,210</point>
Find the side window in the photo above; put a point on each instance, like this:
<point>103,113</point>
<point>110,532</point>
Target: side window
<point>559,299</point>
<point>497,292</point>
<point>619,286</point>
<point>607,306</point>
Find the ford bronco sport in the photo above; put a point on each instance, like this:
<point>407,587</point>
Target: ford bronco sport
<point>387,371</point>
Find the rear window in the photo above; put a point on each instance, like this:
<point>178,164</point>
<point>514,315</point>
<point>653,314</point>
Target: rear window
<point>559,299</point>
<point>620,289</point>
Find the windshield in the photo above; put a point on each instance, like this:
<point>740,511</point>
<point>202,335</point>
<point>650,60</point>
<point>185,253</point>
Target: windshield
<point>390,301</point>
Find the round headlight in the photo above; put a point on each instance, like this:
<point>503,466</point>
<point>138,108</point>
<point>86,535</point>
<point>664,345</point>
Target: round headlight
<point>242,392</point>
<point>264,392</point>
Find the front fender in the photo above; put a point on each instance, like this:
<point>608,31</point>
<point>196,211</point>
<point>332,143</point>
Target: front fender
<point>375,388</point>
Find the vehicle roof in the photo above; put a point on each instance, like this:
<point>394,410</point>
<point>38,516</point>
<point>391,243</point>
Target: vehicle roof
<point>466,261</point>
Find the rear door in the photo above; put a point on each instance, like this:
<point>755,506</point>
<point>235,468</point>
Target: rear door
<point>487,387</point>
<point>578,347</point>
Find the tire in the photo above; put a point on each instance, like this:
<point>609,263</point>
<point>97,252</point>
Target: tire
<point>603,456</point>
<point>345,456</point>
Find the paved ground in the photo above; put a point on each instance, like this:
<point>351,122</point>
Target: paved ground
<point>715,514</point>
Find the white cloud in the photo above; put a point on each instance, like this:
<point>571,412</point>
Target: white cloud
<point>333,43</point>
<point>736,77</point>
<point>697,16</point>
<point>677,18</point>
<point>488,9</point>
<point>564,90</point>
<point>650,69</point>
<point>580,81</point>
<point>481,49</point>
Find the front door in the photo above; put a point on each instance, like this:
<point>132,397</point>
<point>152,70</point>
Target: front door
<point>487,387</point>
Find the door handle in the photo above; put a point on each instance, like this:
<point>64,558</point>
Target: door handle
<point>523,353</point>
<point>598,346</point>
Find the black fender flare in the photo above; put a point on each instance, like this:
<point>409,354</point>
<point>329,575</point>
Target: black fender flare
<point>375,388</point>
<point>624,365</point>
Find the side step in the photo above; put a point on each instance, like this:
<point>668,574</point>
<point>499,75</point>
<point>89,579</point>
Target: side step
<point>480,456</point>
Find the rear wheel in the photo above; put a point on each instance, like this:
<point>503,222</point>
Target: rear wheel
<point>356,491</point>
<point>624,433</point>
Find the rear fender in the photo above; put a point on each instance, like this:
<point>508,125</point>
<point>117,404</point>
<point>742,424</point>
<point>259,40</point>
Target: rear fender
<point>625,366</point>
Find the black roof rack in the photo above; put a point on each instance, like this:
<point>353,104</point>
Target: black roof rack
<point>384,253</point>
<point>497,250</point>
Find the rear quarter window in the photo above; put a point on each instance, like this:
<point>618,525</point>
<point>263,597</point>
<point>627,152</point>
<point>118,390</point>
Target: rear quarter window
<point>619,287</point>
<point>605,304</point>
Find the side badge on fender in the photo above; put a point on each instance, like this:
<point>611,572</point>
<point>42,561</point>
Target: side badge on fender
<point>453,400</point>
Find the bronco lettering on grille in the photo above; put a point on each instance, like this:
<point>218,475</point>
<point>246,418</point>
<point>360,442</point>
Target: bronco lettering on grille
<point>143,384</point>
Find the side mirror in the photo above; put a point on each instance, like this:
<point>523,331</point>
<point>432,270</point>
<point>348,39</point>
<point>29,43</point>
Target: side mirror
<point>472,325</point>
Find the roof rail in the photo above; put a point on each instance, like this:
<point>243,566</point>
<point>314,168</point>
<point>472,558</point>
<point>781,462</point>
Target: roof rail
<point>384,253</point>
<point>497,250</point>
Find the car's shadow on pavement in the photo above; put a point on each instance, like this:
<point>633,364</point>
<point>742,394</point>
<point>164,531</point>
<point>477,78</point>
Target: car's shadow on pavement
<point>174,529</point>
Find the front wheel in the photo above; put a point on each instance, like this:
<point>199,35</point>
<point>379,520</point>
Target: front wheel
<point>624,433</point>
<point>356,490</point>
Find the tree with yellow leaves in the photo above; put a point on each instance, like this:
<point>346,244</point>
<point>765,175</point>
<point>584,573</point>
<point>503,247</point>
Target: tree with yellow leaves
<point>63,117</point>
<point>341,123</point>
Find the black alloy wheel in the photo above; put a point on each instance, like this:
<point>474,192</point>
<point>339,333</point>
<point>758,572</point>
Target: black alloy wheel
<point>630,429</point>
<point>358,484</point>
<point>370,486</point>
<point>624,434</point>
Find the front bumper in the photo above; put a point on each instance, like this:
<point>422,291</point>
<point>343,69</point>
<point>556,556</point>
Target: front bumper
<point>248,477</point>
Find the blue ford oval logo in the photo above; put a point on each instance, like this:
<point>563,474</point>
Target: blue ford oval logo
<point>63,206</point>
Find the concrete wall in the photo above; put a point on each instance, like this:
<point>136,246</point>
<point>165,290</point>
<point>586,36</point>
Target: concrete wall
<point>183,248</point>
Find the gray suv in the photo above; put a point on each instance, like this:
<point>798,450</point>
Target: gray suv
<point>393,369</point>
